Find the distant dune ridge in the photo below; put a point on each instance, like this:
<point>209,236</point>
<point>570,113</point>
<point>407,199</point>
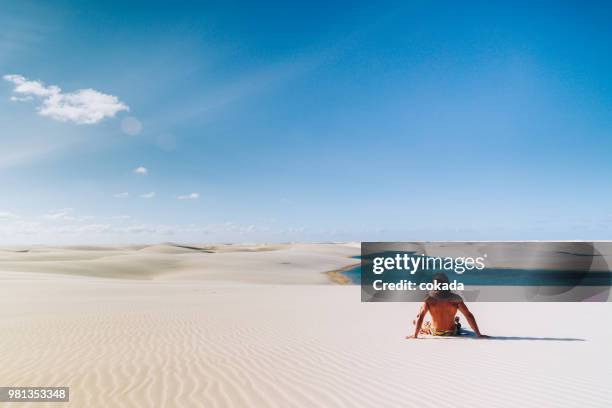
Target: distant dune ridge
<point>276,263</point>
<point>265,326</point>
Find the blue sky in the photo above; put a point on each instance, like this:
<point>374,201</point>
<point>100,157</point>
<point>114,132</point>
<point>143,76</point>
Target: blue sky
<point>312,122</point>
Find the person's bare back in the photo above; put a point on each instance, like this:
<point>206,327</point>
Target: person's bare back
<point>443,312</point>
<point>443,307</point>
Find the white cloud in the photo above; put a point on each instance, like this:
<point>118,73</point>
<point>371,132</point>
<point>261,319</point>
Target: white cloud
<point>233,228</point>
<point>295,230</point>
<point>120,217</point>
<point>21,98</point>
<point>66,214</point>
<point>148,195</point>
<point>31,88</point>
<point>63,214</point>
<point>86,228</point>
<point>6,215</point>
<point>192,196</point>
<point>121,195</point>
<point>83,106</point>
<point>149,229</point>
<point>141,170</point>
<point>67,228</point>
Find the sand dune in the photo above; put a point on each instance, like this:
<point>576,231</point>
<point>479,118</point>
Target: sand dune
<point>288,263</point>
<point>166,341</point>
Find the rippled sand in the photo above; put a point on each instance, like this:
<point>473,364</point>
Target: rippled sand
<point>187,338</point>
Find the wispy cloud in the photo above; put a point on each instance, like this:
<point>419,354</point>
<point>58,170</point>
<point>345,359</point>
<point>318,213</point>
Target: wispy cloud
<point>232,227</point>
<point>203,105</point>
<point>6,215</point>
<point>119,217</point>
<point>66,226</point>
<point>141,170</point>
<point>66,214</point>
<point>63,214</point>
<point>191,196</point>
<point>83,106</point>
<point>84,229</point>
<point>148,195</point>
<point>21,98</point>
<point>121,195</point>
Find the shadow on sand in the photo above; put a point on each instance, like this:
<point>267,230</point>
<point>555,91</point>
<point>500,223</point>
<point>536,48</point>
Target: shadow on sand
<point>469,334</point>
<point>534,338</point>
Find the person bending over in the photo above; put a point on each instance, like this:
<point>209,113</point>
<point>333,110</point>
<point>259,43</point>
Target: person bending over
<point>442,305</point>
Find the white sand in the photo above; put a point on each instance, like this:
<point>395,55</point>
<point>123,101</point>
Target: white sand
<point>191,333</point>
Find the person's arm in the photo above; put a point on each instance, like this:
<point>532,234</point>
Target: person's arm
<point>419,321</point>
<point>470,318</point>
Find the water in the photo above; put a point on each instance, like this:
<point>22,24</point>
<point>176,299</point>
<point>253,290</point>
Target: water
<point>499,277</point>
<point>353,274</point>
